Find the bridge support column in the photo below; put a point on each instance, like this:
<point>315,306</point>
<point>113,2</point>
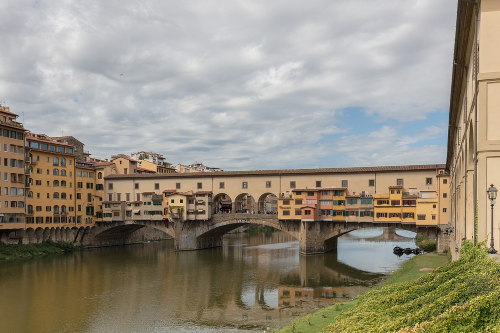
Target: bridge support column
<point>312,238</point>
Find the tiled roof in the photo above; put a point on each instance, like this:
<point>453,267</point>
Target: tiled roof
<point>285,172</point>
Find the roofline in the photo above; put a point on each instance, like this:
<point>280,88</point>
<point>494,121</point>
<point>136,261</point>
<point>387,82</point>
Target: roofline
<point>323,171</point>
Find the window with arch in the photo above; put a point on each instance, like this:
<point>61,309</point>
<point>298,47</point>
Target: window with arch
<point>55,161</point>
<point>55,195</point>
<point>99,175</point>
<point>63,172</point>
<point>30,194</point>
<point>79,220</point>
<point>63,210</point>
<point>63,183</point>
<point>55,183</point>
<point>56,209</point>
<point>55,172</point>
<point>63,162</point>
<point>63,195</point>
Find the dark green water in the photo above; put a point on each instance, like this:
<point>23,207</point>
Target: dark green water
<point>253,282</point>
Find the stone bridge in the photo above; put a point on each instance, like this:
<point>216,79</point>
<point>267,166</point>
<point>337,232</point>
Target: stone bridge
<point>313,236</point>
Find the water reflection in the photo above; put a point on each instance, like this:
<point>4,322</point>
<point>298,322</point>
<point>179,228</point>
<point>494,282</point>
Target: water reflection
<point>254,281</point>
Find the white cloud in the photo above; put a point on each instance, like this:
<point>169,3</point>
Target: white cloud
<point>235,84</point>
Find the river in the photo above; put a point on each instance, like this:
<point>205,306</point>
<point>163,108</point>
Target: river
<point>254,281</point>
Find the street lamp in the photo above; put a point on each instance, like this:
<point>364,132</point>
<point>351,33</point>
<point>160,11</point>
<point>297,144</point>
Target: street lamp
<point>492,195</point>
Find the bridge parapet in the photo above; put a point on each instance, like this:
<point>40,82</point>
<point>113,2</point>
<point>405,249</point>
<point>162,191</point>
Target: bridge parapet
<point>241,216</point>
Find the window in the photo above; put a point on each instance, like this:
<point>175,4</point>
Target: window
<point>138,197</point>
<point>444,210</point>
<point>307,212</point>
<point>445,195</point>
<point>344,183</point>
<point>48,208</point>
<point>286,212</point>
<point>433,217</point>
<point>244,185</point>
<point>110,196</point>
<point>55,161</point>
<point>99,175</point>
<point>292,184</point>
<point>110,186</point>
<point>55,183</point>
<point>268,184</point>
<point>445,181</point>
<point>325,192</point>
<point>428,181</point>
<point>178,186</point>
<point>421,217</point>
<point>298,201</point>
<point>172,201</point>
<point>136,186</point>
<point>55,195</point>
<point>352,201</point>
<point>79,196</point>
<point>79,185</point>
<point>395,202</point>
<point>157,186</point>
<point>310,194</point>
<point>118,196</point>
<point>221,185</point>
<point>318,183</point>
<point>399,182</point>
<point>371,182</point>
<point>433,206</point>
<point>199,186</point>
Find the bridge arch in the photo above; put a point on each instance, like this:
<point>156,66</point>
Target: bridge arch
<point>245,202</point>
<point>268,203</point>
<point>222,203</point>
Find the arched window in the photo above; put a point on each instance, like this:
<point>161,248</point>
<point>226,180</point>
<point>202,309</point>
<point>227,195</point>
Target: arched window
<point>56,195</point>
<point>99,175</point>
<point>63,210</point>
<point>63,183</point>
<point>55,172</point>
<point>30,194</point>
<point>55,183</point>
<point>63,172</point>
<point>55,161</point>
<point>56,209</point>
<point>79,220</point>
<point>63,195</point>
<point>63,162</point>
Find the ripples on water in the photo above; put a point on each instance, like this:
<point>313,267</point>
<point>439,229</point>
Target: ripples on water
<point>254,281</point>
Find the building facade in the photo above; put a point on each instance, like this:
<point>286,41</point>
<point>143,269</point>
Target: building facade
<point>473,155</point>
<point>14,173</point>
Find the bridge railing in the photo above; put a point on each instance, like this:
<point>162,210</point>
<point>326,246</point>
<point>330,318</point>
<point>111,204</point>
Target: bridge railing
<point>242,216</point>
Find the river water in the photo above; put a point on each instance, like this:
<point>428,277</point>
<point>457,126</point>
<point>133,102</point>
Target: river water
<point>254,281</point>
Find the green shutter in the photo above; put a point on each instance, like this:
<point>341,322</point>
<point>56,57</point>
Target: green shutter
<point>371,213</point>
<point>357,213</point>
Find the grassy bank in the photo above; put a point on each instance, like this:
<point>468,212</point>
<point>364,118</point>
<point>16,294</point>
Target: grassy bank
<point>462,296</point>
<point>15,251</point>
<point>410,271</point>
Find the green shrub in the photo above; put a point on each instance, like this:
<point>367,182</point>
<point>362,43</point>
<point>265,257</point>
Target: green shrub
<point>428,245</point>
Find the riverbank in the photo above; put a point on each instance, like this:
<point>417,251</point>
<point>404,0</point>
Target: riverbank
<point>410,271</point>
<point>462,296</point>
<point>18,251</point>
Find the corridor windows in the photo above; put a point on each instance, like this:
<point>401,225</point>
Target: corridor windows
<point>221,185</point>
<point>268,184</point>
<point>244,185</point>
<point>292,184</point>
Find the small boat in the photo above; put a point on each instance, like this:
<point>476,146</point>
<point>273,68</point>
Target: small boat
<point>397,249</point>
<point>408,250</point>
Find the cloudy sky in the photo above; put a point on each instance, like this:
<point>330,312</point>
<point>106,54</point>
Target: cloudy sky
<point>236,84</point>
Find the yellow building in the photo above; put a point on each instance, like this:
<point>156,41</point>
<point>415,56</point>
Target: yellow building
<point>473,156</point>
<point>13,172</point>
<point>51,197</point>
<point>85,192</point>
<point>125,165</point>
